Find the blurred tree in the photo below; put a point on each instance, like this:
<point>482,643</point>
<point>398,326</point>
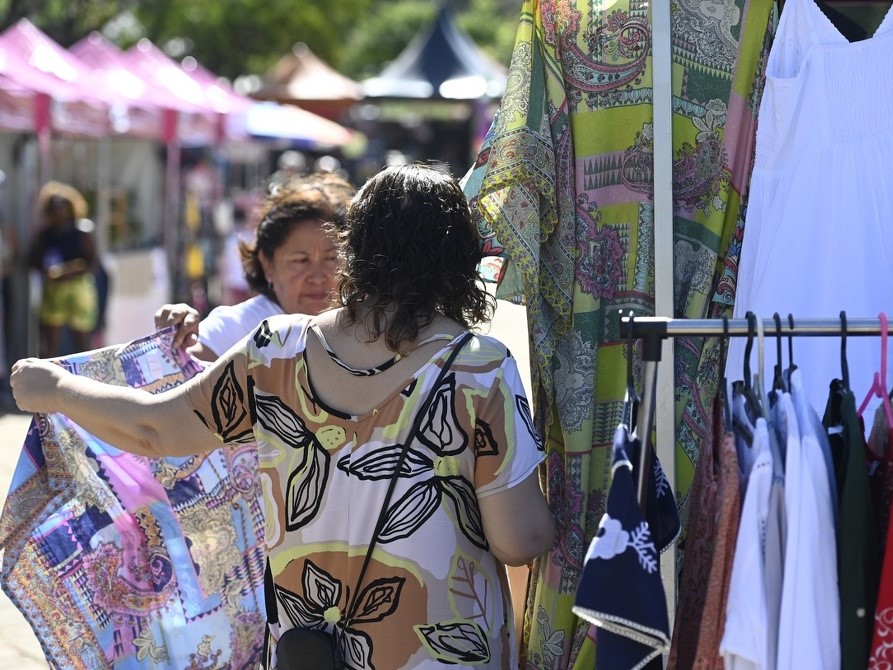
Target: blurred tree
<point>492,24</point>
<point>66,21</point>
<point>247,36</point>
<point>383,34</point>
<point>238,37</point>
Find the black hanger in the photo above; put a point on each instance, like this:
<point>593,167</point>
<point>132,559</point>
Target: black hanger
<point>791,365</point>
<point>844,366</point>
<point>631,400</point>
<point>753,400</point>
<point>723,380</point>
<point>850,29</point>
<point>748,348</point>
<point>778,380</point>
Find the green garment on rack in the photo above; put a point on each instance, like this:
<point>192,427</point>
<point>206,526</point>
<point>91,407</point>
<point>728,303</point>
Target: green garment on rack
<point>563,190</point>
<point>858,548</point>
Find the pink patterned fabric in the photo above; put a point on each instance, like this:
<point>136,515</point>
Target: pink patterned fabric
<point>128,563</point>
<point>709,549</point>
<point>882,641</point>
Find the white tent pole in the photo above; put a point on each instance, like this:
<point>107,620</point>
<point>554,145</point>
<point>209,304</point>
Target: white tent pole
<point>661,64</point>
<point>103,206</point>
<point>171,225</point>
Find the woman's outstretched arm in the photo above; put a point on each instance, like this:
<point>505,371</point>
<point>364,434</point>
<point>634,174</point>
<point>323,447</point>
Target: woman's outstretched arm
<point>127,418</point>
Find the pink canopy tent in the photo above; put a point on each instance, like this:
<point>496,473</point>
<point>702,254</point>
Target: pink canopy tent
<point>215,88</point>
<point>225,97</point>
<point>123,114</point>
<point>112,66</point>
<point>56,104</point>
<point>269,120</point>
<point>204,126</point>
<point>303,128</point>
<point>16,105</point>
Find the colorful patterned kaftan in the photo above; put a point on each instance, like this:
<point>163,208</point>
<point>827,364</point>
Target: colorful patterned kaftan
<point>563,190</point>
<point>119,561</point>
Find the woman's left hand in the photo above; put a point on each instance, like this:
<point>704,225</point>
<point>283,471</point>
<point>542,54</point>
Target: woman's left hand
<point>34,383</point>
<point>185,318</point>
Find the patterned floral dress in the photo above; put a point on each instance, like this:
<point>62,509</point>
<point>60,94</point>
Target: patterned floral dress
<point>434,596</point>
<point>563,190</point>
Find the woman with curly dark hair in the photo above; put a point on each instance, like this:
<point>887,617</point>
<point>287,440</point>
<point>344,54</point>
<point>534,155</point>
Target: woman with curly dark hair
<point>397,452</point>
<point>290,265</point>
<point>425,264</point>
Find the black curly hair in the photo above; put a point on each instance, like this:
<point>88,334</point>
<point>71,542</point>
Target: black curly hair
<point>409,251</point>
<point>319,196</point>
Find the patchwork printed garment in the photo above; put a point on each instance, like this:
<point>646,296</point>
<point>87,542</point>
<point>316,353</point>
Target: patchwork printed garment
<point>120,561</point>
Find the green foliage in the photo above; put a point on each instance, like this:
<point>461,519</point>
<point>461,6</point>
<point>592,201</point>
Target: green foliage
<point>248,36</point>
<point>389,27</point>
<point>66,21</point>
<point>382,34</point>
<point>235,37</point>
<point>492,24</point>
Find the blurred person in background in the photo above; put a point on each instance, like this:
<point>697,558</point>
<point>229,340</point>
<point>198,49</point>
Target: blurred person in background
<point>329,163</point>
<point>290,264</point>
<point>289,165</point>
<point>233,285</point>
<point>64,253</point>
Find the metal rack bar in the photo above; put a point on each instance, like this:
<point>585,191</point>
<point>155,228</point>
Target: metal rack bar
<point>660,404</point>
<point>661,327</point>
<point>653,330</point>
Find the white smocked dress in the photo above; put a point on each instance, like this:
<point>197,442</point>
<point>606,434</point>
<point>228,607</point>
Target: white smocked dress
<point>819,227</point>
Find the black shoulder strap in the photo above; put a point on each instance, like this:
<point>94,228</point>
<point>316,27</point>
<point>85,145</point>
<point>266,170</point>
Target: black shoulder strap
<point>416,426</point>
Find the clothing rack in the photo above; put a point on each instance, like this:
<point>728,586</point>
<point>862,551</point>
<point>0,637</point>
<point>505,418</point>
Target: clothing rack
<point>660,403</point>
<point>655,330</point>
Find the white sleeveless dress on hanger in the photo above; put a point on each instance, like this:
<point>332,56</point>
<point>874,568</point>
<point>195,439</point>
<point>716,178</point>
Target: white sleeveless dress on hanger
<point>819,228</point>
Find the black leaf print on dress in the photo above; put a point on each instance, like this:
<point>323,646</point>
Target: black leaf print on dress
<point>524,410</point>
<point>228,407</point>
<point>321,593</point>
<point>252,400</point>
<point>409,388</point>
<point>409,513</point>
<point>305,488</point>
<point>440,429</point>
<point>468,513</point>
<point>380,463</point>
<point>283,422</point>
<point>356,649</point>
<point>377,600</point>
<point>458,642</point>
<point>300,612</point>
<point>320,586</point>
<point>484,442</point>
<point>263,335</point>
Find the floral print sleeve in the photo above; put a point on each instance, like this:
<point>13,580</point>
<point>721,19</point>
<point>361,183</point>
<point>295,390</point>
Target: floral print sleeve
<point>220,397</point>
<point>507,445</point>
<point>223,396</point>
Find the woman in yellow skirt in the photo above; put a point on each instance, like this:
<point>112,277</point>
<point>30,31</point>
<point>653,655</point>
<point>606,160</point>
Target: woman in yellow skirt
<point>64,252</point>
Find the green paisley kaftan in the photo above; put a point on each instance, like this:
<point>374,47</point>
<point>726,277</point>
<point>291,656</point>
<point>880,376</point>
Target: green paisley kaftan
<point>563,190</point>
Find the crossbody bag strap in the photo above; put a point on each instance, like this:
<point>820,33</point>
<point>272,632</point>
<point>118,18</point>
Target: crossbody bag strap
<point>416,426</point>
